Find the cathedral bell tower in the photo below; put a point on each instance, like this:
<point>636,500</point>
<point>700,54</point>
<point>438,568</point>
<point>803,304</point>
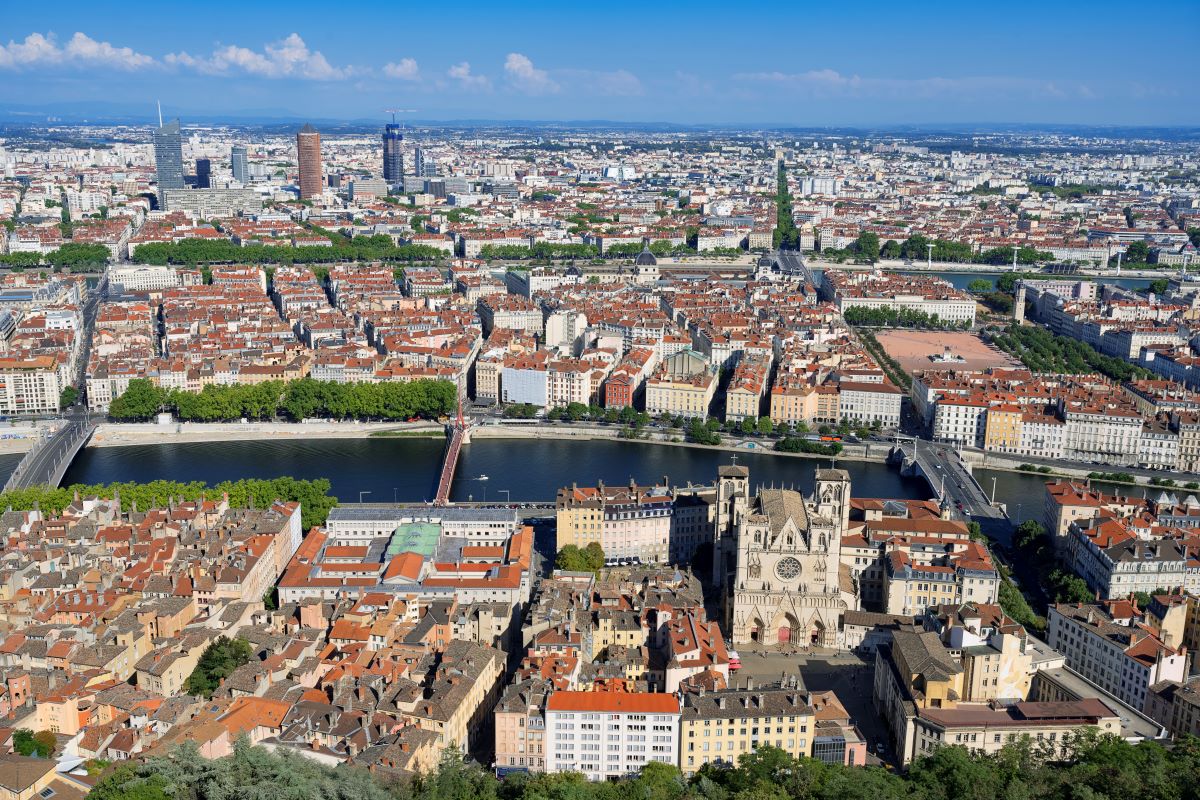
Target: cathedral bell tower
<point>832,498</point>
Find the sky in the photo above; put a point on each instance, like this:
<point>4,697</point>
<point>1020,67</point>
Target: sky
<point>749,63</point>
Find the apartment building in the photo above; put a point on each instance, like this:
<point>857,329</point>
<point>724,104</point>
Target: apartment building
<point>520,725</point>
<point>1068,501</point>
<point>460,694</point>
<point>921,692</point>
<point>719,727</point>
<point>861,403</point>
<point>1106,644</point>
<point>682,385</point>
<point>140,278</point>
<point>916,579</point>
<point>628,521</point>
<point>1117,562</point>
<point>512,312</point>
<point>1175,705</point>
<point>30,385</point>
<point>795,402</point>
<point>747,388</point>
<point>608,735</point>
<point>926,294</point>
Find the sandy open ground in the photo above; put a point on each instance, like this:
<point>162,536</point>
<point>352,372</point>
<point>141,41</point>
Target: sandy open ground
<point>914,348</point>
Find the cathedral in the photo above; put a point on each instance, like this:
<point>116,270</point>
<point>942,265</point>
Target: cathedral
<point>787,586</point>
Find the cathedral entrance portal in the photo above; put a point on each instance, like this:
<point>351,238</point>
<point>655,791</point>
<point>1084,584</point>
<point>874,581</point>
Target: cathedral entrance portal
<point>785,634</point>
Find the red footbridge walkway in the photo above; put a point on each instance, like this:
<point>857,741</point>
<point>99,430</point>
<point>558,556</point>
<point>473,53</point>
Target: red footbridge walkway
<point>457,431</point>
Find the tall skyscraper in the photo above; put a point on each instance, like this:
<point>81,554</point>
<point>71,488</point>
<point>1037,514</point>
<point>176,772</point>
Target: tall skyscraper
<point>168,156</point>
<point>393,156</point>
<point>203,173</point>
<point>308,155</point>
<point>424,166</point>
<point>240,164</point>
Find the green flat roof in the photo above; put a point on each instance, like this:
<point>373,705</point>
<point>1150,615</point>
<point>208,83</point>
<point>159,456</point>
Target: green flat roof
<point>415,537</point>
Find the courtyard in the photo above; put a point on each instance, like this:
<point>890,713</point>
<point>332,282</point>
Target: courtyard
<point>924,350</point>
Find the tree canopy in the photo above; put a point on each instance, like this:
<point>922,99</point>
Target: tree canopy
<point>884,317</point>
<point>222,251</point>
<point>313,495</point>
<point>580,559</point>
<point>1042,351</point>
<point>300,399</point>
<point>1101,768</point>
<point>217,662</point>
<point>28,743</point>
<point>787,235</point>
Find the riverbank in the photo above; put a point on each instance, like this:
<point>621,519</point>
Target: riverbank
<point>135,434</point>
<point>112,434</point>
<point>116,434</point>
<point>21,436</point>
<point>874,453</point>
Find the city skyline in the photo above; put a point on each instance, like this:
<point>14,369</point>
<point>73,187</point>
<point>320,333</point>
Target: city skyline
<point>937,65</point>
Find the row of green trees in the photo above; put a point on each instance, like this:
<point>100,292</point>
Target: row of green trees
<point>916,248</point>
<point>547,251</point>
<point>222,251</point>
<point>888,317</point>
<point>1098,767</point>
<point>787,235</point>
<point>313,495</point>
<point>890,366</point>
<point>577,412</point>
<point>299,399</point>
<point>1042,351</point>
<point>540,250</point>
<point>796,444</point>
<point>75,256</point>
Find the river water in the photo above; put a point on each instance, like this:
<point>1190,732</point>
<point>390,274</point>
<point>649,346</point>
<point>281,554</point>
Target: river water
<point>388,469</point>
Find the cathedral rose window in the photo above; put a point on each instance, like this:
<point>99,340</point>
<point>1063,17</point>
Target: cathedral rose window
<point>787,568</point>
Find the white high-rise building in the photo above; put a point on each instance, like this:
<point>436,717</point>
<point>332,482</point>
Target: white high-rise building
<point>608,735</point>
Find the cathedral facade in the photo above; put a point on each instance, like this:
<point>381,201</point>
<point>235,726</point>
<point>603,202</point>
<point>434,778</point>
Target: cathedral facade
<point>789,586</point>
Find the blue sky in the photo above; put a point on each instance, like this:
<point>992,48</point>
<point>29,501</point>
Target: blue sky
<point>862,63</point>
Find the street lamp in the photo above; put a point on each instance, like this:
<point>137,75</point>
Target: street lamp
<point>395,492</point>
<point>993,501</point>
<point>507,495</point>
<point>360,494</point>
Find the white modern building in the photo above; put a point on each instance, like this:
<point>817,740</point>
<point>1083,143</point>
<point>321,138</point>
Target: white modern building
<point>141,278</point>
<point>607,735</point>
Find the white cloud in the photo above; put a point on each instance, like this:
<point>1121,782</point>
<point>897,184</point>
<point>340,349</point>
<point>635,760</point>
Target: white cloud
<point>287,58</point>
<point>41,50</point>
<point>461,72</point>
<point>405,69</point>
<point>525,77</point>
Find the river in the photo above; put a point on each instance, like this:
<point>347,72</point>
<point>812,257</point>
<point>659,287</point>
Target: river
<point>389,469</point>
